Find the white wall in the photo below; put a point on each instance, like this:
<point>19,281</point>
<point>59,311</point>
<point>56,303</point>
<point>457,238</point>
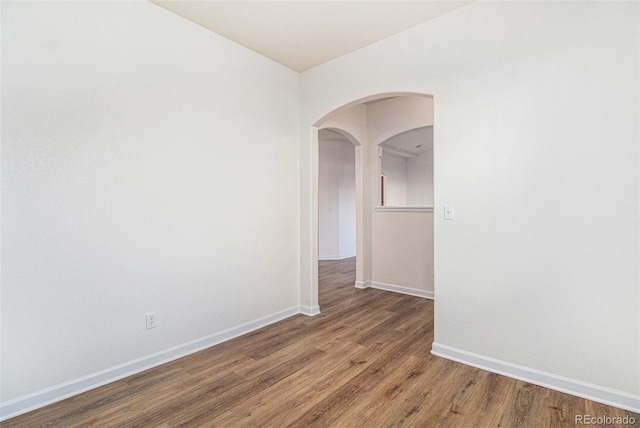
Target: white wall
<point>329,200</point>
<point>352,120</point>
<point>391,117</point>
<point>347,201</point>
<point>337,200</point>
<point>395,170</point>
<point>420,178</point>
<point>147,165</point>
<point>530,99</point>
<point>403,251</point>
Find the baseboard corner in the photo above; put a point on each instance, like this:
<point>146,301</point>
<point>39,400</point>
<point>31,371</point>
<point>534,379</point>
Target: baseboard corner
<point>425,294</point>
<point>310,311</point>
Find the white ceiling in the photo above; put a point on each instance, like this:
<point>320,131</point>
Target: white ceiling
<point>304,33</point>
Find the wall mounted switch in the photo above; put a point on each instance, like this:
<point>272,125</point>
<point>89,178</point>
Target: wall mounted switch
<point>448,212</point>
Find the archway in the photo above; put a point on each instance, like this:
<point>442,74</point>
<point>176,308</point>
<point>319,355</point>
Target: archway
<point>342,118</point>
<point>328,132</point>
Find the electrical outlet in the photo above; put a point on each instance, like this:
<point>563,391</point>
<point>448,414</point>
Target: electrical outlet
<point>151,320</point>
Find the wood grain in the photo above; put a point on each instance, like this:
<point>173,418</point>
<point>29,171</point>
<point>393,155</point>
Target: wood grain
<point>365,361</point>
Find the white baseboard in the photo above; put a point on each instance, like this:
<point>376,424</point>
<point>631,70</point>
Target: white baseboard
<point>395,288</point>
<point>309,310</point>
<point>361,284</point>
<point>335,258</point>
<point>27,403</point>
<point>575,387</point>
<point>328,258</point>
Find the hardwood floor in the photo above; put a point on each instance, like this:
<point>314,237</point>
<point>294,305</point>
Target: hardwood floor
<point>364,361</point>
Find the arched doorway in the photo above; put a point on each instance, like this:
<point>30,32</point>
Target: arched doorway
<point>352,119</point>
<point>337,195</point>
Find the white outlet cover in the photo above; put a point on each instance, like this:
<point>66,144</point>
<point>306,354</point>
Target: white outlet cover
<point>151,320</point>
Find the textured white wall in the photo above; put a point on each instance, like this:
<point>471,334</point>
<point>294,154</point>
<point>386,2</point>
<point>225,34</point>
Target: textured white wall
<point>147,165</point>
<point>530,100</point>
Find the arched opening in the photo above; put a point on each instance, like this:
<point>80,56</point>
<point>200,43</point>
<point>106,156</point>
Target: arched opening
<point>406,169</point>
<point>352,122</point>
<point>339,208</point>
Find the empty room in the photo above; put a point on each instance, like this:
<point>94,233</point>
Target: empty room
<point>326,213</point>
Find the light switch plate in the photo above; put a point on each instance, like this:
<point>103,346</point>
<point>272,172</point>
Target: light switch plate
<point>449,213</point>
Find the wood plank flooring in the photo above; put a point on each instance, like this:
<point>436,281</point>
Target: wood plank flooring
<point>364,362</point>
